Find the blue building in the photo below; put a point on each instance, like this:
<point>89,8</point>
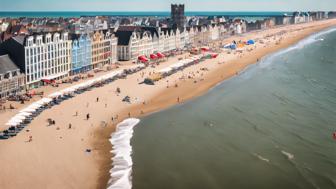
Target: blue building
<point>81,54</point>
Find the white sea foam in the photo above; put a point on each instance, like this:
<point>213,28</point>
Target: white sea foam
<point>301,44</point>
<point>121,172</point>
<point>287,154</point>
<point>261,158</point>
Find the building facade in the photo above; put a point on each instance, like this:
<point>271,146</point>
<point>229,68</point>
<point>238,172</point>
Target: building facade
<point>47,58</point>
<point>12,82</point>
<point>81,54</point>
<point>104,49</point>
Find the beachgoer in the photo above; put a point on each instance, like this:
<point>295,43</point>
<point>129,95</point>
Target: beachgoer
<point>97,99</point>
<point>76,113</point>
<point>178,99</point>
<point>129,114</point>
<point>87,116</point>
<point>30,139</point>
<point>70,125</point>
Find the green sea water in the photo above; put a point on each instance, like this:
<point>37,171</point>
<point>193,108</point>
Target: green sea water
<point>270,127</point>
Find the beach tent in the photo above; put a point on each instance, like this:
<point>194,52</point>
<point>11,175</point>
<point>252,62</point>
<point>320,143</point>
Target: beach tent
<point>231,46</point>
<point>240,45</point>
<point>227,46</point>
<point>250,42</point>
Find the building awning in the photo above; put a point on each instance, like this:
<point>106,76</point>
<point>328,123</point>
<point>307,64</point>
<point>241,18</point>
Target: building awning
<point>143,58</point>
<point>153,56</point>
<point>53,77</point>
<point>160,55</point>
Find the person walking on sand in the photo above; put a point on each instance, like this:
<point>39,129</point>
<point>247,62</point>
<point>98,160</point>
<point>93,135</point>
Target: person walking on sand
<point>178,99</point>
<point>70,125</point>
<point>76,113</point>
<point>87,116</point>
<point>30,139</point>
<point>129,114</point>
<point>97,99</point>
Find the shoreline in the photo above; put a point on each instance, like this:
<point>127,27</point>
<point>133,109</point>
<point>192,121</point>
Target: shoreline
<point>166,101</point>
<point>59,153</point>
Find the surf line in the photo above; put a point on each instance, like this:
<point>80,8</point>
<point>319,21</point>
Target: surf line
<point>121,172</point>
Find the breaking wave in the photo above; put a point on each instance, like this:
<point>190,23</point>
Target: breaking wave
<point>287,154</point>
<point>121,172</point>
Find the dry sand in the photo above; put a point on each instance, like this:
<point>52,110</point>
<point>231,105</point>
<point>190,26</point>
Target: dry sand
<point>56,157</point>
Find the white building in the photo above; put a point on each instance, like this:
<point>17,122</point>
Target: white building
<point>47,58</point>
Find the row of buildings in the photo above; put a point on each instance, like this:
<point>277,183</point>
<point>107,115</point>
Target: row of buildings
<point>30,60</point>
<point>47,57</point>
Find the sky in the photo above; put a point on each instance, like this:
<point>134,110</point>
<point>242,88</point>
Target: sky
<point>164,5</point>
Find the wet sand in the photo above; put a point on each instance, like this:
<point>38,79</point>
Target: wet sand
<point>56,157</point>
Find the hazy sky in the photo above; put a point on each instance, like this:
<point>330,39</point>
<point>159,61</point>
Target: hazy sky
<point>164,5</point>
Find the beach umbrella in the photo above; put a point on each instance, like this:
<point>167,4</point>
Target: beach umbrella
<point>19,117</point>
<point>28,110</point>
<point>25,114</point>
<point>12,123</point>
<point>35,105</point>
<point>165,70</point>
<point>55,95</point>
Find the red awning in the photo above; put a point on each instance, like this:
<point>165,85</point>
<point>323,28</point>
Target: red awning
<point>48,81</point>
<point>143,58</point>
<point>160,55</point>
<point>153,56</point>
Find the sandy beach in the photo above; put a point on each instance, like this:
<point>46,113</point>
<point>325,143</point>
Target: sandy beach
<point>57,158</point>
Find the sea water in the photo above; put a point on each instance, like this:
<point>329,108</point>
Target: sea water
<point>269,127</point>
